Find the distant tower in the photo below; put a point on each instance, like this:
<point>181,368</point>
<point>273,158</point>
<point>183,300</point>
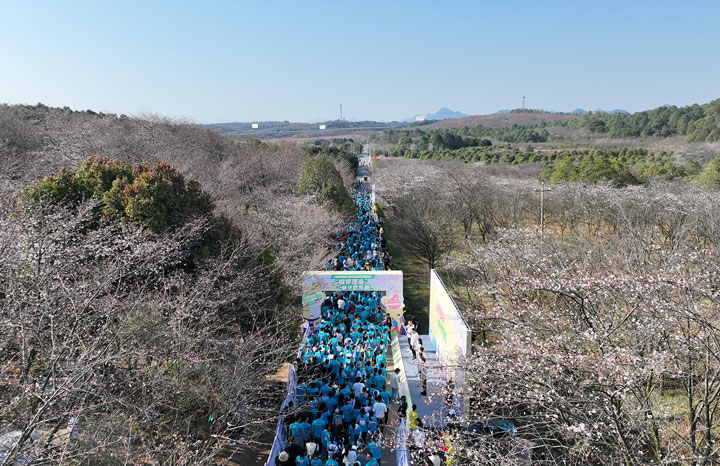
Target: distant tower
<point>341,112</point>
<point>523,107</point>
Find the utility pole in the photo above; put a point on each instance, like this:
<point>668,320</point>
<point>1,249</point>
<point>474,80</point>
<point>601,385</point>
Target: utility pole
<point>542,208</point>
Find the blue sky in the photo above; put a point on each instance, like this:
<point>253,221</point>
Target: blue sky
<point>214,61</point>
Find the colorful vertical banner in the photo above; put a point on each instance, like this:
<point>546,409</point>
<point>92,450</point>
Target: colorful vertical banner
<point>448,330</point>
<point>399,363</point>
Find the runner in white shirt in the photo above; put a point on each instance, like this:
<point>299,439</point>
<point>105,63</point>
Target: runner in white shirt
<point>415,340</point>
<point>409,328</point>
<point>358,387</point>
<point>379,409</point>
<point>350,456</point>
<point>419,435</point>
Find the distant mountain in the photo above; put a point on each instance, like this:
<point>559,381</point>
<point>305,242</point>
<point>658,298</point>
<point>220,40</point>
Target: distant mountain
<point>617,110</point>
<point>443,114</point>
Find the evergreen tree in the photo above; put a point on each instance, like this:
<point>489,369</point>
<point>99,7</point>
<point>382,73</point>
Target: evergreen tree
<point>564,171</point>
<point>710,176</point>
<point>321,179</point>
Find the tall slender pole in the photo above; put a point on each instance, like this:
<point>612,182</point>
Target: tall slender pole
<point>542,210</point>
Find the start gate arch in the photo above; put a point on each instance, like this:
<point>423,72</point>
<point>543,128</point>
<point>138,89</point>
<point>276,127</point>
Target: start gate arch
<point>317,283</point>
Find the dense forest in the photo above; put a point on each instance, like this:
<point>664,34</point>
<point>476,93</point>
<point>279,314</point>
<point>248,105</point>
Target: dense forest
<point>697,122</point>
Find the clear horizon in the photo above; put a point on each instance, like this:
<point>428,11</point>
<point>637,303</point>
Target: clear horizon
<point>224,61</point>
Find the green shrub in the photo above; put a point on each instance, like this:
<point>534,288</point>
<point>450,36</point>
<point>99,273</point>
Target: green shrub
<point>321,179</point>
<point>157,197</point>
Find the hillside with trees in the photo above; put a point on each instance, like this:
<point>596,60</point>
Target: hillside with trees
<point>146,264</point>
<point>502,120</point>
<point>697,122</point>
<point>567,151</point>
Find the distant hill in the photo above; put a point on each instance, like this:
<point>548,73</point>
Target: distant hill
<point>502,120</point>
<point>577,111</point>
<point>287,129</point>
<point>443,114</point>
<point>580,111</point>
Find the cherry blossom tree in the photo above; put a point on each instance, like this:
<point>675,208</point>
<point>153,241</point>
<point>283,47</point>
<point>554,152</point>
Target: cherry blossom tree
<point>113,352</point>
<point>587,354</point>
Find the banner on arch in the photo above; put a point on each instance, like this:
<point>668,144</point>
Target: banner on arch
<point>316,283</point>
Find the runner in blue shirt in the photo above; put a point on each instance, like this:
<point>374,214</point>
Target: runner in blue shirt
<point>371,461</point>
<point>375,450</point>
<point>318,425</point>
<point>355,431</point>
<point>307,428</point>
<point>348,413</point>
<point>313,389</point>
<point>325,438</point>
<point>297,431</point>
<point>372,426</point>
<point>325,390</point>
<point>379,381</point>
<point>364,422</point>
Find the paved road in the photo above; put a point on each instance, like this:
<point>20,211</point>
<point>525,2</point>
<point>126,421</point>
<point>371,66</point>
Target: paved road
<point>431,408</point>
<point>364,165</point>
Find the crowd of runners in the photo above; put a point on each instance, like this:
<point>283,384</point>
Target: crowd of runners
<point>361,245</point>
<point>344,390</point>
